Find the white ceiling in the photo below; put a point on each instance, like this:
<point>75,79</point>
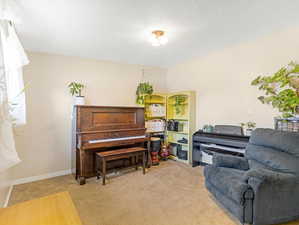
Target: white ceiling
<point>118,29</point>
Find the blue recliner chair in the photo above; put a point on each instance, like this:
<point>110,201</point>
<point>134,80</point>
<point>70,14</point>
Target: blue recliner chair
<point>263,187</point>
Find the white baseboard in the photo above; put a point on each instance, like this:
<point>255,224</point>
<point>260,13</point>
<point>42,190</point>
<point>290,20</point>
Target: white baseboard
<point>42,177</point>
<point>8,196</point>
<point>33,178</point>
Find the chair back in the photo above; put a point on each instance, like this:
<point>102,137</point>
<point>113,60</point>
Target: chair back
<point>274,150</point>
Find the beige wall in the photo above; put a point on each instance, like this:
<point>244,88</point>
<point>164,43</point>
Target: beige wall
<point>222,79</point>
<point>44,143</point>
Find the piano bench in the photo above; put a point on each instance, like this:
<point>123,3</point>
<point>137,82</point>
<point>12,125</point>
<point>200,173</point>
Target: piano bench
<point>123,153</point>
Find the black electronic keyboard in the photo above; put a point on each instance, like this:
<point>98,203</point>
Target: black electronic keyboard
<point>206,144</point>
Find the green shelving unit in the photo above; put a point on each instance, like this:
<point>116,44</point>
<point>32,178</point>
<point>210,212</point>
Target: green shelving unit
<point>181,108</point>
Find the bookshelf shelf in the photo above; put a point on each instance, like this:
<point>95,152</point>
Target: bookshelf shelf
<point>175,142</point>
<point>151,100</point>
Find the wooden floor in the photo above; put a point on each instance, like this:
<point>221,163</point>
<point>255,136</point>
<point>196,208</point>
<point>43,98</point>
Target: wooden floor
<point>56,209</point>
<point>169,194</point>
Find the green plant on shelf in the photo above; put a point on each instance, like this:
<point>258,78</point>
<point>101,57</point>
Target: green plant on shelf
<point>179,101</point>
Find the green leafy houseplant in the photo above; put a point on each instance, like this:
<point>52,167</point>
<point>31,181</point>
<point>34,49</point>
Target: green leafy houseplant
<point>143,90</point>
<point>76,88</point>
<point>179,100</point>
<point>249,125</point>
<point>281,89</point>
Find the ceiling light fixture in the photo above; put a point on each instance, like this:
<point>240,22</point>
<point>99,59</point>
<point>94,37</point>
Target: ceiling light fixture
<point>158,38</point>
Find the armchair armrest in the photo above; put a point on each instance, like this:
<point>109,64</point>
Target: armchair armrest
<point>269,177</point>
<point>276,195</point>
<point>222,160</point>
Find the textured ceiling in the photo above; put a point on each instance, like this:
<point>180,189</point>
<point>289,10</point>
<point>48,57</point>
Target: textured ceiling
<point>118,29</point>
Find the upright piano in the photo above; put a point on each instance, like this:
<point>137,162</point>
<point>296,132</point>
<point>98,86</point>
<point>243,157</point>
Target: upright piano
<point>99,128</point>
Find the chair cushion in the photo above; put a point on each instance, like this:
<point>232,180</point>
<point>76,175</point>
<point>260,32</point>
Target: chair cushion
<point>228,181</point>
<point>270,158</point>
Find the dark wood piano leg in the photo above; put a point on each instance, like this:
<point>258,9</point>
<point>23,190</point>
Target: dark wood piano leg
<point>82,180</point>
<point>143,162</point>
<point>149,158</point>
<point>104,170</point>
<point>136,162</point>
<point>80,176</point>
<point>97,167</point>
<point>77,163</point>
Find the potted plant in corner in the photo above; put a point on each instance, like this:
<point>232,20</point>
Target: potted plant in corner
<point>281,90</point>
<point>75,90</point>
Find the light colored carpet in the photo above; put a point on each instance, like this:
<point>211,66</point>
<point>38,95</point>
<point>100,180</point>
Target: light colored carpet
<point>170,194</point>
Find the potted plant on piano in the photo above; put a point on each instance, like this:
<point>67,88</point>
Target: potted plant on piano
<point>75,90</point>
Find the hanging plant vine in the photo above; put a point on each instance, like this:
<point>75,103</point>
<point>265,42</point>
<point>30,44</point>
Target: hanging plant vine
<point>142,91</point>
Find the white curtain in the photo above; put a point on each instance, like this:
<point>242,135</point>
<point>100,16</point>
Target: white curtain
<point>14,59</point>
<point>8,154</point>
<point>10,11</point>
<point>12,96</point>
